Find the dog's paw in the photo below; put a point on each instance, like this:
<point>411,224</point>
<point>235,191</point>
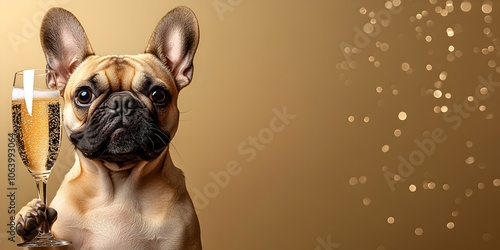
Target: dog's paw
<point>30,217</point>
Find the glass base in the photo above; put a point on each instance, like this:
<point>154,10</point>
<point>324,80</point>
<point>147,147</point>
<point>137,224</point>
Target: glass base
<point>44,242</point>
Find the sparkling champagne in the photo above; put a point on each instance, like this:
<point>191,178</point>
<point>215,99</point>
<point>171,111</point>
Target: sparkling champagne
<point>39,134</point>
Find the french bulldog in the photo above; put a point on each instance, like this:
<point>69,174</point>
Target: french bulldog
<point>120,113</point>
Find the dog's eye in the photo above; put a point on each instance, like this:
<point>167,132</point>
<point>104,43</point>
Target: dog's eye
<point>84,97</point>
<point>158,95</point>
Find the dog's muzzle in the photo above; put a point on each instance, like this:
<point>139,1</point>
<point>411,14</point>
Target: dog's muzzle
<point>122,129</point>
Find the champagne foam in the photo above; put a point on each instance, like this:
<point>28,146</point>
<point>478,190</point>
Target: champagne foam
<point>18,94</point>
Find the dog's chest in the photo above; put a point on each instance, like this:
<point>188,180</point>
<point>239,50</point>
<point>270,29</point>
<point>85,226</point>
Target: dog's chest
<point>120,224</point>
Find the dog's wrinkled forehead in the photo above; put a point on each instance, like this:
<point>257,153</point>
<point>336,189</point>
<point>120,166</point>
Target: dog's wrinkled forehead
<point>122,73</point>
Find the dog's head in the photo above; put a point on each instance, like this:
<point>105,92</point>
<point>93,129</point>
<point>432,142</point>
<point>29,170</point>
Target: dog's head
<point>120,109</point>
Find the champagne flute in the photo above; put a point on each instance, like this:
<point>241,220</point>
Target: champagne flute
<point>36,120</point>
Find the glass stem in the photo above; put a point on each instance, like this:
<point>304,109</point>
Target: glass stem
<point>41,186</point>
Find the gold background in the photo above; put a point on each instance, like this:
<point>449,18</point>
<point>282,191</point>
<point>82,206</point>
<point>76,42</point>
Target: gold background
<point>323,180</point>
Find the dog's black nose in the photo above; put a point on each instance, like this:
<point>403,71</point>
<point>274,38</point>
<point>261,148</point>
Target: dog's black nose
<point>122,103</point>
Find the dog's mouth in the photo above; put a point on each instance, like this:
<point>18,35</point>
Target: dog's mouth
<point>122,144</point>
<point>125,145</point>
<point>121,137</point>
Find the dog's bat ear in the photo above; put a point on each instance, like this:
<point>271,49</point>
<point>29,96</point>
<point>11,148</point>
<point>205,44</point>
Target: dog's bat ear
<point>174,42</point>
<point>65,45</point>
